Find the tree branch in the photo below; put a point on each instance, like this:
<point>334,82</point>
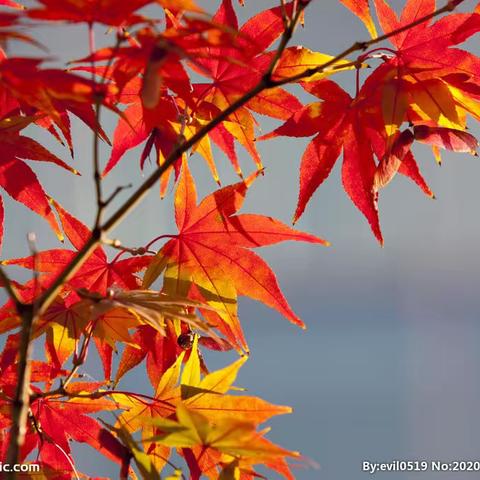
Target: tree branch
<point>97,177</point>
<point>115,193</point>
<point>21,402</point>
<point>359,46</point>
<point>63,392</point>
<point>10,288</point>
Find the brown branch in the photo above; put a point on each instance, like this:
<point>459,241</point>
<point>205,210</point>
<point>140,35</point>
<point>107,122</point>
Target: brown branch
<point>21,402</point>
<point>115,193</point>
<point>63,392</point>
<point>8,285</point>
<point>286,37</point>
<point>97,177</point>
<point>32,243</point>
<point>359,46</point>
<point>100,230</point>
<point>99,95</point>
<point>78,360</point>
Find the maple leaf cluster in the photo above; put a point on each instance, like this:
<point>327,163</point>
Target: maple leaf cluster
<point>180,81</point>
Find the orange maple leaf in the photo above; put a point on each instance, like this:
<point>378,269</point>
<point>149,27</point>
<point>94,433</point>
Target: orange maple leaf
<point>212,252</point>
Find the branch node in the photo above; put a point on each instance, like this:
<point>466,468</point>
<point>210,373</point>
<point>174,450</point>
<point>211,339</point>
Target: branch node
<point>361,46</point>
<point>114,194</point>
<point>97,234</point>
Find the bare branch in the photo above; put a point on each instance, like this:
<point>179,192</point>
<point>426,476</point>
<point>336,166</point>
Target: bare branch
<point>97,177</point>
<point>285,39</point>
<point>21,402</point>
<point>8,285</point>
<point>32,244</point>
<point>360,46</point>
<point>96,162</point>
<point>116,192</point>
<point>63,392</point>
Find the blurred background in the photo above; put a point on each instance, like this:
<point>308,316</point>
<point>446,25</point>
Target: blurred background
<point>388,368</point>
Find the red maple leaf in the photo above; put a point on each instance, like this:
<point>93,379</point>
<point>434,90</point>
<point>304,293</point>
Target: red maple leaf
<point>48,94</point>
<point>212,255</point>
<point>108,12</point>
<point>57,421</point>
<point>97,274</point>
<point>419,83</point>
<point>16,177</point>
<point>236,70</point>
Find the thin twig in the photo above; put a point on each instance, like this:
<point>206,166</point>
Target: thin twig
<point>285,17</point>
<point>359,46</point>
<point>98,97</point>
<point>97,177</point>
<point>8,285</point>
<point>286,37</point>
<point>63,392</point>
<point>79,359</point>
<point>116,192</point>
<point>21,402</point>
<point>32,244</point>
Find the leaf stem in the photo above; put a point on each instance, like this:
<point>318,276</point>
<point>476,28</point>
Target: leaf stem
<point>156,239</point>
